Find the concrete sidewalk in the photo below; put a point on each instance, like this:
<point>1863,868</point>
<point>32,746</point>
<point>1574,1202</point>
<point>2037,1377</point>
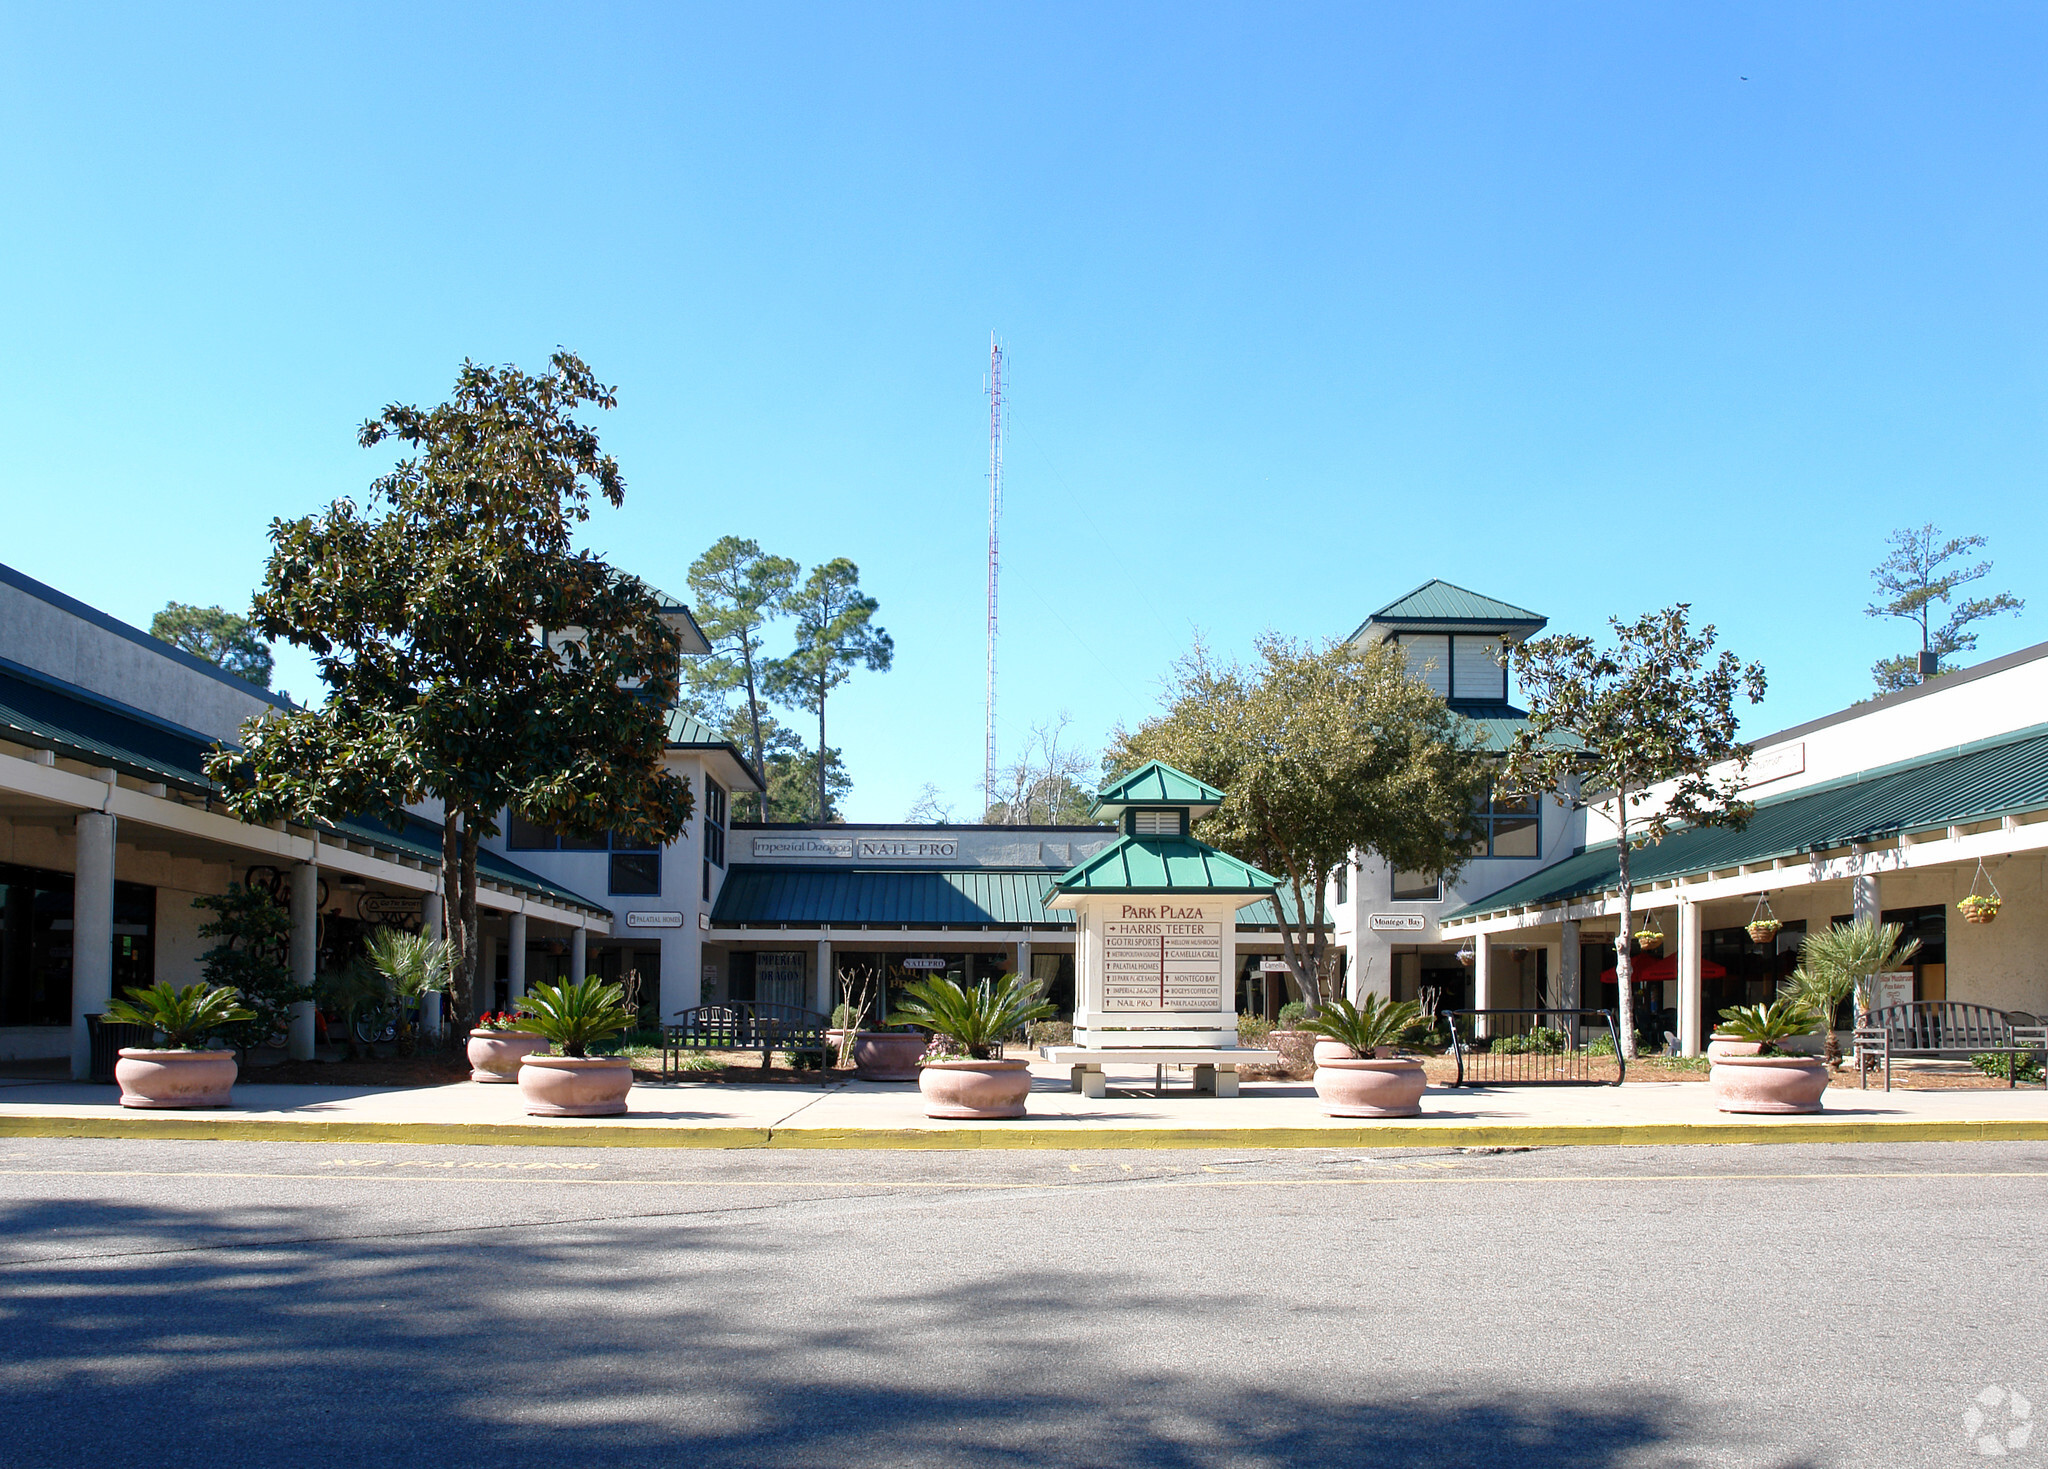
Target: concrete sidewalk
<point>889,1115</point>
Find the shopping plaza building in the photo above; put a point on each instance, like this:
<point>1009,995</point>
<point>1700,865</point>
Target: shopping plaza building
<point>110,829</point>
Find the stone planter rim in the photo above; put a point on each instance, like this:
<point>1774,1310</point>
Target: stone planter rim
<point>573,1063</point>
<point>956,1064</point>
<point>1770,1060</point>
<point>140,1051</point>
<point>1370,1063</point>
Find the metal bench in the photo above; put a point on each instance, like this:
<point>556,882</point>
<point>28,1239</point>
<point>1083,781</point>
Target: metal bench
<point>743,1026</point>
<point>1947,1029</point>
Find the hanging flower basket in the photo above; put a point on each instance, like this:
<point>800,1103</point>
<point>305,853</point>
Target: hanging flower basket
<point>1650,938</point>
<point>1980,908</point>
<point>1764,930</point>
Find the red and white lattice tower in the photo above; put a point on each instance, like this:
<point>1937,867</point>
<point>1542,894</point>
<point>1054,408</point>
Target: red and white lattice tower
<point>995,512</point>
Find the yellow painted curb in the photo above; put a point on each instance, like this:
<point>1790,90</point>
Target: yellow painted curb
<point>1382,1135</point>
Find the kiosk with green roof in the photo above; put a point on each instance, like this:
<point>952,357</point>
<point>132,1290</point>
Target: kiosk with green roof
<point>1155,951</point>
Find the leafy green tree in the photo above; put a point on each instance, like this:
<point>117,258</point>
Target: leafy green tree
<point>251,956</point>
<point>1324,751</point>
<point>792,777</point>
<point>1922,570</point>
<point>835,634</point>
<point>217,635</point>
<point>473,656</point>
<point>1611,724</point>
<point>737,588</point>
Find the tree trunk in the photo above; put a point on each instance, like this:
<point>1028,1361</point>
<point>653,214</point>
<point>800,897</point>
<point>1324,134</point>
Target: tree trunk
<point>822,813</point>
<point>754,724</point>
<point>462,954</point>
<point>1300,957</point>
<point>469,924</point>
<point>1624,965</point>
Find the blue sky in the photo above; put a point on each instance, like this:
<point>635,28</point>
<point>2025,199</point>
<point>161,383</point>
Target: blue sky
<point>1305,306</point>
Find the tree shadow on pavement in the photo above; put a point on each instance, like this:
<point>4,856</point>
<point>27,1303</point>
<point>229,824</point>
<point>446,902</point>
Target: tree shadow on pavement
<point>150,1334</point>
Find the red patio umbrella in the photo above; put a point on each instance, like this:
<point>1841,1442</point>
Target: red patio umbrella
<point>1658,971</point>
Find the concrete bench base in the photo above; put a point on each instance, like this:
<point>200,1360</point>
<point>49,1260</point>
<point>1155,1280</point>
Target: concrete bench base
<point>1215,1068</point>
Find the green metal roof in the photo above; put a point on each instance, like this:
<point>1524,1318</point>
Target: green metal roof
<point>1160,864</point>
<point>1437,603</point>
<point>759,893</point>
<point>51,715</point>
<point>1976,782</point>
<point>1156,783</point>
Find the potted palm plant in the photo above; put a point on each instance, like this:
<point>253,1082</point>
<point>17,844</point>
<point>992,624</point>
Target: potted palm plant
<point>575,1015</point>
<point>182,1072</point>
<point>1370,1081</point>
<point>961,1076</point>
<point>1773,1079</point>
<point>1836,963</point>
<point>416,968</point>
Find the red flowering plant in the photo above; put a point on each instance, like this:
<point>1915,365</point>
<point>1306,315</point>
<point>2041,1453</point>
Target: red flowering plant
<point>500,1019</point>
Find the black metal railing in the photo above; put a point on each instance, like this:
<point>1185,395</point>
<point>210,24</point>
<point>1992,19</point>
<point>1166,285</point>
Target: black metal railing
<point>1535,1047</point>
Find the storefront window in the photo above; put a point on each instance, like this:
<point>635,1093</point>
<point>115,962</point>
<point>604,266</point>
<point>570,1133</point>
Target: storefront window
<point>35,943</point>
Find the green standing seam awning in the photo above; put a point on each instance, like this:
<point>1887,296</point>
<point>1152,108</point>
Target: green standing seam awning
<point>46,714</point>
<point>763,895</point>
<point>1978,782</point>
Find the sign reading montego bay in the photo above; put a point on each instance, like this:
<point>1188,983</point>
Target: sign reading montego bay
<point>1158,958</point>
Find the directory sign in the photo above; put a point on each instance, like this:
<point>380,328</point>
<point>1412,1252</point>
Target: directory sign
<point>1159,966</point>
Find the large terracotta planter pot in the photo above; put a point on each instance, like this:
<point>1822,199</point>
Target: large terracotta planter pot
<point>1328,1051</point>
<point>1719,1045</point>
<point>1375,1088</point>
<point>575,1086</point>
<point>974,1088</point>
<point>1768,1083</point>
<point>175,1078</point>
<point>887,1055</point>
<point>494,1055</point>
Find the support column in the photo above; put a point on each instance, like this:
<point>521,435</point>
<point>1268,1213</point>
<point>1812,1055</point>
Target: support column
<point>1482,979</point>
<point>486,996</point>
<point>579,952</point>
<point>1568,982</point>
<point>515,962</point>
<point>305,957</point>
<point>1690,991</point>
<point>1024,957</point>
<point>828,979</point>
<point>1864,898</point>
<point>92,931</point>
<point>430,914</point>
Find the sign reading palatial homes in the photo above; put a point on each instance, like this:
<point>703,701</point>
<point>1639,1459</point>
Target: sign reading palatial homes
<point>1161,964</point>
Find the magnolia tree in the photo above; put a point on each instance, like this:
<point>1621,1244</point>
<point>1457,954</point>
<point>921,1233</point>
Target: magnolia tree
<point>1609,724</point>
<point>1324,751</point>
<point>473,657</point>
